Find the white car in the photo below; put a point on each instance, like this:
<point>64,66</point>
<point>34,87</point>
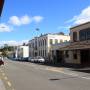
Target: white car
<point>40,59</point>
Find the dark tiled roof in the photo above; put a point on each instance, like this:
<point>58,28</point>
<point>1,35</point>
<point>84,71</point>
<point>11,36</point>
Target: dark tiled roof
<point>79,25</point>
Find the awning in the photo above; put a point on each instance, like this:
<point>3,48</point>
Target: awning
<point>76,46</point>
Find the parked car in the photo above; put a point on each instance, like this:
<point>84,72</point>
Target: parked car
<point>1,61</point>
<point>24,59</point>
<point>39,59</point>
<point>30,59</point>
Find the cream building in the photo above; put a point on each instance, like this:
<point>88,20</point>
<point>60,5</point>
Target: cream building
<point>41,46</point>
<point>78,52</point>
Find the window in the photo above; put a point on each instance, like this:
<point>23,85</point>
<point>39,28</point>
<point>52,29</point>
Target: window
<point>56,41</point>
<point>44,42</point>
<point>84,34</point>
<point>74,36</point>
<point>45,52</point>
<point>66,54</point>
<point>66,41</point>
<point>61,41</point>
<point>88,34</point>
<point>51,41</point>
<point>74,54</point>
<point>41,42</point>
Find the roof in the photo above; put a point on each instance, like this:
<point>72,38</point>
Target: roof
<point>79,25</point>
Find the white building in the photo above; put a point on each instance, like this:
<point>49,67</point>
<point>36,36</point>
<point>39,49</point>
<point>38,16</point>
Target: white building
<point>41,46</point>
<point>22,52</point>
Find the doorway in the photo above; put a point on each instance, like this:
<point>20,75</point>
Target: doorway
<point>85,57</point>
<point>59,56</point>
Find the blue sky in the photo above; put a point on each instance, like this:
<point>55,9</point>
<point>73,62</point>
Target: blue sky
<point>20,18</point>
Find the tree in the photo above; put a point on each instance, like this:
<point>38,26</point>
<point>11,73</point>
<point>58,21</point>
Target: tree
<point>61,33</point>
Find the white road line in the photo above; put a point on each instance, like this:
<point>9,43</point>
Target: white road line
<point>5,78</point>
<point>55,70</point>
<point>9,84</point>
<point>3,74</point>
<point>86,78</point>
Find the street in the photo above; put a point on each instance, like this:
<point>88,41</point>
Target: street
<point>17,75</point>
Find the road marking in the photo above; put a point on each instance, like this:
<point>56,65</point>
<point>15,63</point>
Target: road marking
<point>9,84</point>
<point>5,78</point>
<point>86,78</point>
<point>71,74</point>
<point>1,71</point>
<point>13,89</point>
<point>54,69</point>
<point>3,74</point>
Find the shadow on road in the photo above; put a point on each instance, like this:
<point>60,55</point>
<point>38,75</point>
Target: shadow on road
<point>85,70</point>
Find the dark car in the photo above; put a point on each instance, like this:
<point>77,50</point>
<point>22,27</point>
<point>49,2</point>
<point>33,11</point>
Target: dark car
<point>1,61</point>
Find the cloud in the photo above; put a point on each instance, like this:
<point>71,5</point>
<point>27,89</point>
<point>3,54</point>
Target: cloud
<point>18,21</point>
<point>15,21</point>
<point>63,27</point>
<point>5,28</point>
<point>13,42</point>
<point>83,17</point>
<point>38,19</point>
<point>26,19</point>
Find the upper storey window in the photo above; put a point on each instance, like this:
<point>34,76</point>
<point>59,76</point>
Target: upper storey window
<point>84,34</point>
<point>74,36</point>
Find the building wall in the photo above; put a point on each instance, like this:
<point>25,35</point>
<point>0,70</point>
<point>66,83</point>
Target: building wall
<point>71,58</point>
<point>43,44</point>
<point>22,51</point>
<point>77,29</point>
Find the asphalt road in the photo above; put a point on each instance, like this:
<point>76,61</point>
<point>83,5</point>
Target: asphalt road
<point>28,76</point>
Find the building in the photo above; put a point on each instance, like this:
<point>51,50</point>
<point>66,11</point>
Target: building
<point>57,55</point>
<point>41,46</point>
<point>22,52</point>
<point>78,52</point>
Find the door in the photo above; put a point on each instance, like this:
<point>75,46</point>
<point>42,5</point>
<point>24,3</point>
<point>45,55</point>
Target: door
<point>85,57</point>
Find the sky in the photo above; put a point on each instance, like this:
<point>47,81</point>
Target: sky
<point>20,18</point>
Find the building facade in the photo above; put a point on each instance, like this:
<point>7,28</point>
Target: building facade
<point>57,55</point>
<point>22,52</point>
<point>41,46</point>
<point>78,52</point>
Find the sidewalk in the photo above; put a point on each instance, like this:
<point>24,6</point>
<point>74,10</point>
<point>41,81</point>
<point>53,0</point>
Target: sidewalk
<point>2,85</point>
